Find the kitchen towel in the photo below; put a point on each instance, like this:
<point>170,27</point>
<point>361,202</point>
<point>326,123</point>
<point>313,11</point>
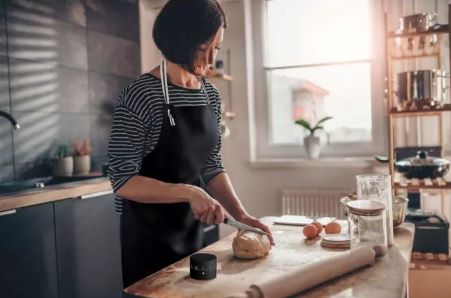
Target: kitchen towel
<point>312,274</point>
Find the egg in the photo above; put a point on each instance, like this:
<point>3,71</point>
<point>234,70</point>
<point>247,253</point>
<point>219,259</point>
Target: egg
<point>333,228</point>
<point>318,226</point>
<point>310,231</point>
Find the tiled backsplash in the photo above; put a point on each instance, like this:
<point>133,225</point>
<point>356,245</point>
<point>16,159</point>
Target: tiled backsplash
<point>62,65</point>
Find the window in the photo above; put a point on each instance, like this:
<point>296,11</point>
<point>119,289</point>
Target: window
<point>316,63</point>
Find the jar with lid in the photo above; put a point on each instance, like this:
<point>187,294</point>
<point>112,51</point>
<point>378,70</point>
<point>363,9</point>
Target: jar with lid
<point>366,223</point>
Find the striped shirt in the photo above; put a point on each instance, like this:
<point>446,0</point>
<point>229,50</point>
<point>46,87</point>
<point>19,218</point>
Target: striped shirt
<point>137,122</point>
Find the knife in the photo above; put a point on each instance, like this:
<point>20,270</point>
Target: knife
<point>242,226</point>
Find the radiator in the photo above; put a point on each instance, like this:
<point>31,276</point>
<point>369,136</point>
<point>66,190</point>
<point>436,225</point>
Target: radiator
<point>313,202</point>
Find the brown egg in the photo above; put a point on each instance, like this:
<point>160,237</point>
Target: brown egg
<point>310,231</point>
<point>333,228</point>
<point>318,226</point>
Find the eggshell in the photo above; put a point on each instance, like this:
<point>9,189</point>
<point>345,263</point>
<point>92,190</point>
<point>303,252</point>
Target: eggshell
<point>318,226</point>
<point>333,228</point>
<point>310,231</point>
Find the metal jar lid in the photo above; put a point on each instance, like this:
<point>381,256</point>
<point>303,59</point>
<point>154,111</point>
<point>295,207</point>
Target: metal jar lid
<point>365,207</point>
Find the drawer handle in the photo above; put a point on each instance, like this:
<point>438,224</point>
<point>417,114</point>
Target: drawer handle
<point>8,212</point>
<point>96,194</point>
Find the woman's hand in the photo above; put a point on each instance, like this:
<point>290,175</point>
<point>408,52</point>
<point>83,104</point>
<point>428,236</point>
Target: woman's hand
<point>205,208</point>
<point>256,223</point>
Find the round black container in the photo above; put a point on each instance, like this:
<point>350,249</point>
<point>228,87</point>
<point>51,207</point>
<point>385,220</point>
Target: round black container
<point>202,266</point>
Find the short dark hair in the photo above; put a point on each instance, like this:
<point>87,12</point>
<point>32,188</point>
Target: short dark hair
<point>183,26</point>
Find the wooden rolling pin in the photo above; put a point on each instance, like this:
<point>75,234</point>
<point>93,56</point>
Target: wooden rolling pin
<point>313,274</point>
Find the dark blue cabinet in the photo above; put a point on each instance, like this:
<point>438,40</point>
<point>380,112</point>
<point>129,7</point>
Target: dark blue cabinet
<point>87,241</point>
<point>27,253</point>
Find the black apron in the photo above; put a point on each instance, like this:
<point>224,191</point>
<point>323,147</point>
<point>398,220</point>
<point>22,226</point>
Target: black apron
<point>154,236</point>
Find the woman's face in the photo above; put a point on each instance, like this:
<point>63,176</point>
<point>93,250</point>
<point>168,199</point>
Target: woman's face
<point>206,55</point>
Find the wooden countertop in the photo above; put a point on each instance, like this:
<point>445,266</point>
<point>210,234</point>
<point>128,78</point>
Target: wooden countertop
<point>387,278</point>
<point>54,193</point>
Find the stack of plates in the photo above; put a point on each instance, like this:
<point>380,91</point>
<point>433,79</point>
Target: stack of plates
<point>335,241</point>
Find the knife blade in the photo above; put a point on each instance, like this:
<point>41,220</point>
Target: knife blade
<point>242,226</point>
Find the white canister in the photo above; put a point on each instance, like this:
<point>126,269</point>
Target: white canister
<point>82,164</point>
<point>64,166</point>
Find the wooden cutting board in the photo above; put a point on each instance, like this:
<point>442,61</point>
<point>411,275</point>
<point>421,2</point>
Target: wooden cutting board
<point>387,278</point>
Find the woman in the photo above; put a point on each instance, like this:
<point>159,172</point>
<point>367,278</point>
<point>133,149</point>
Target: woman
<point>165,142</point>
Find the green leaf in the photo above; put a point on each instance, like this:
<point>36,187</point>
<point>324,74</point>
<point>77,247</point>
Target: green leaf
<point>324,120</point>
<point>318,127</point>
<point>304,124</point>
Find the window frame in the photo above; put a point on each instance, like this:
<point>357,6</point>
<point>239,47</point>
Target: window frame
<point>263,148</point>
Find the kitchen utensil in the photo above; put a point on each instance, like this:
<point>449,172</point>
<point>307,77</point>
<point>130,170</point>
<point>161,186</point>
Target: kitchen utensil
<point>399,210</point>
<point>242,226</point>
<point>366,223</point>
<point>377,188</point>
<point>421,89</point>
<point>289,283</point>
<point>423,166</point>
<point>419,22</point>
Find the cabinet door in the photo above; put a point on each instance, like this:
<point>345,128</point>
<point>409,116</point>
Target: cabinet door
<point>27,253</point>
<point>87,237</point>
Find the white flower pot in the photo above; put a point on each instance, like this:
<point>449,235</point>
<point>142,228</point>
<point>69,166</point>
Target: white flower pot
<point>312,146</point>
<point>64,166</point>
<point>82,164</point>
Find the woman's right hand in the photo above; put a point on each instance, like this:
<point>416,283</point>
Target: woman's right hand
<point>205,208</point>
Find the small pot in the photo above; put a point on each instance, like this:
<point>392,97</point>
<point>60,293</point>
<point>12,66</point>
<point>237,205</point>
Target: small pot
<point>312,146</point>
<point>419,22</point>
<point>82,164</point>
<point>423,166</point>
<point>64,166</point>
<point>421,89</point>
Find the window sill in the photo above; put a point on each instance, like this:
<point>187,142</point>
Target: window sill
<point>326,162</point>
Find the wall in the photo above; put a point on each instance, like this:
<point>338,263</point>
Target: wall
<point>62,66</point>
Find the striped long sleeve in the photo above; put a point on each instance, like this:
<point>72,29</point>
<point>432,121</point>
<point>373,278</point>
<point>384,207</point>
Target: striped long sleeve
<point>137,123</point>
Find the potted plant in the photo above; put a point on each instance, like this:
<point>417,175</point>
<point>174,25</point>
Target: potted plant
<point>64,163</point>
<point>311,142</point>
<point>82,157</point>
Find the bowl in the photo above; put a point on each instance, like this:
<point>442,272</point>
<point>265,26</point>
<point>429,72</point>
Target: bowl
<point>399,207</point>
<point>399,210</point>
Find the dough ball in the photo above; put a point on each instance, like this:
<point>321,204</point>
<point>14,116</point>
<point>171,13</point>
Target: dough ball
<point>250,245</point>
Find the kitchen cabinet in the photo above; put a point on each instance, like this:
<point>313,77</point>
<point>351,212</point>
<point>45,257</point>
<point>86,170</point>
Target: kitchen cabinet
<point>27,253</point>
<point>88,245</point>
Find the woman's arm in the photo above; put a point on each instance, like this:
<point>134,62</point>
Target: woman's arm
<point>148,190</point>
<point>221,189</point>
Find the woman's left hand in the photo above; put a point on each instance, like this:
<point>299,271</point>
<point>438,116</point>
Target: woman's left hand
<point>256,223</point>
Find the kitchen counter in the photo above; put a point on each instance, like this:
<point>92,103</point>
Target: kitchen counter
<point>54,193</point>
<point>386,278</point>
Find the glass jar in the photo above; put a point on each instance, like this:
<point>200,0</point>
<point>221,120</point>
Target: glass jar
<point>377,187</point>
<point>366,223</point>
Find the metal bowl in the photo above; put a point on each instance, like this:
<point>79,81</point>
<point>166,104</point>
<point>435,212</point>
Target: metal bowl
<point>399,210</point>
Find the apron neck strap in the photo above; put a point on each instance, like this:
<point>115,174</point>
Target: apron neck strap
<point>164,80</point>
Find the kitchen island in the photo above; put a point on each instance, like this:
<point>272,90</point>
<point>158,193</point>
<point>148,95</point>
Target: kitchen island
<point>386,278</point>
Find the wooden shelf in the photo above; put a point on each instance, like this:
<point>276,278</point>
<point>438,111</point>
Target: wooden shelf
<point>413,56</point>
<point>432,112</point>
<point>443,29</point>
<point>220,76</point>
<point>416,184</point>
